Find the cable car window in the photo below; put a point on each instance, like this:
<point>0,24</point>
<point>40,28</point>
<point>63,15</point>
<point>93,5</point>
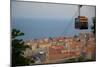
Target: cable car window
<point>81,22</point>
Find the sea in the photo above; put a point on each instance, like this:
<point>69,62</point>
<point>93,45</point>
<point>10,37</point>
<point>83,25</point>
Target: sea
<point>45,28</point>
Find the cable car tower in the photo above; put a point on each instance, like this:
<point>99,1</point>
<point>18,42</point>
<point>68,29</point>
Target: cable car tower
<point>81,22</point>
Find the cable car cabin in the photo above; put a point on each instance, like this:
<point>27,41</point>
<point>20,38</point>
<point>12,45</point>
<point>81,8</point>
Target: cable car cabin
<point>81,22</point>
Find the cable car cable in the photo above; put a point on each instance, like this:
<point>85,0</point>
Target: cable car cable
<point>69,23</point>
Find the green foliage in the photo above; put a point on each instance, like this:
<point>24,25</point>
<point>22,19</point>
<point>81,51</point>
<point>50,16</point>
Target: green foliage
<point>71,60</point>
<point>18,49</point>
<point>94,25</point>
<point>81,58</point>
<point>16,33</point>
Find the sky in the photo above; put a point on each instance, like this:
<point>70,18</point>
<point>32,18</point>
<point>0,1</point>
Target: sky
<point>58,17</point>
<point>45,10</point>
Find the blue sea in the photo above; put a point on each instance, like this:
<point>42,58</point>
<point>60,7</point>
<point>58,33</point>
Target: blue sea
<point>43,28</point>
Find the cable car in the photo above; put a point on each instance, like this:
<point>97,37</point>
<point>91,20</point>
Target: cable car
<point>81,22</point>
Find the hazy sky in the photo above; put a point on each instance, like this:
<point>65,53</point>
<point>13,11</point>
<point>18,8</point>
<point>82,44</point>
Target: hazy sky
<point>51,11</point>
